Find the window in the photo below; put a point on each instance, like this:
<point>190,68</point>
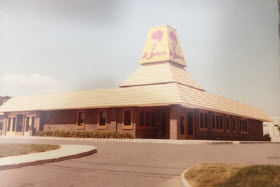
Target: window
<point>218,123</point>
<point>221,122</point>
<point>27,124</point>
<point>33,122</point>
<point>19,127</point>
<point>9,124</point>
<point>243,126</point>
<point>227,124</point>
<point>234,124</point>
<point>148,118</point>
<point>206,120</point>
<point>141,118</point>
<point>80,120</point>
<point>102,120</point>
<point>127,117</point>
<point>127,121</point>
<point>182,125</point>
<point>213,121</point>
<point>14,124</point>
<point>203,121</point>
<point>153,119</point>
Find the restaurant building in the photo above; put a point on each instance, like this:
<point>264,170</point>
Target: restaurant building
<point>160,100</point>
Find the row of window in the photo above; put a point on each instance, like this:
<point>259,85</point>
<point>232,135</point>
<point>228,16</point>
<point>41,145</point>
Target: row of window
<point>103,119</point>
<point>16,123</point>
<point>219,123</point>
<point>148,118</point>
<point>187,120</point>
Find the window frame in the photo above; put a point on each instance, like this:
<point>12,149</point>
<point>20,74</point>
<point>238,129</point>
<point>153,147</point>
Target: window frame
<point>80,127</point>
<point>30,122</point>
<point>12,116</point>
<point>102,127</point>
<point>144,125</point>
<point>127,127</point>
<point>182,130</point>
<point>202,113</point>
<point>229,123</point>
<point>242,122</point>
<point>8,124</point>
<point>234,130</point>
<point>218,115</point>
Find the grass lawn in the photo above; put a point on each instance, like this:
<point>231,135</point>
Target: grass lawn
<point>20,149</point>
<point>229,175</point>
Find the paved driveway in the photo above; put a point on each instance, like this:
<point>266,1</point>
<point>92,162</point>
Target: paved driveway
<point>133,164</point>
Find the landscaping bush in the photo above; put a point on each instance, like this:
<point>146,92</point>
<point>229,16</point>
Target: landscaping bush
<point>84,134</point>
<point>233,137</point>
<point>266,137</point>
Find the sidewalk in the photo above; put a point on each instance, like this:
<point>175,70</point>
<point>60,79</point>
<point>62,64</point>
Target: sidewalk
<point>63,153</point>
<point>166,141</point>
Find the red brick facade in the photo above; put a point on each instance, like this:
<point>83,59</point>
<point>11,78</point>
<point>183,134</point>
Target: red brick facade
<point>172,122</point>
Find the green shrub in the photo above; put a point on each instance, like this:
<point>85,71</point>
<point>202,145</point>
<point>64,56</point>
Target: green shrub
<point>83,134</point>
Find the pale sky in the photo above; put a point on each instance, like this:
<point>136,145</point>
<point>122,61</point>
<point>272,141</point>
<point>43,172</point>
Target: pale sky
<point>231,46</point>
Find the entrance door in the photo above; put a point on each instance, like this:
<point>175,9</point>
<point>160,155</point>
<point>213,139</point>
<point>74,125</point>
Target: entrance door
<point>190,125</point>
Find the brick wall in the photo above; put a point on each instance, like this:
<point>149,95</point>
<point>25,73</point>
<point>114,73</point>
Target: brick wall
<point>67,119</point>
<point>255,129</point>
<point>174,121</point>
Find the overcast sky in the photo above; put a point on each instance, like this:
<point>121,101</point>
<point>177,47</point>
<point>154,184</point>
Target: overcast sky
<point>231,47</point>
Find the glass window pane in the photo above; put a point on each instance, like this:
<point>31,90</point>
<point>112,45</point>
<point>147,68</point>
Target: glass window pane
<point>127,117</point>
<point>141,118</point>
<point>221,122</point>
<point>201,120</point>
<point>182,125</point>
<point>206,120</point>
<point>27,124</point>
<point>9,124</point>
<point>217,122</point>
<point>81,120</point>
<point>33,122</point>
<point>147,119</point>
<point>102,118</point>
<point>213,121</point>
<point>14,124</point>
<point>153,119</point>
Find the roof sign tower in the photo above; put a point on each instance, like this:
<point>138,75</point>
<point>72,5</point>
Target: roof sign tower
<point>162,45</point>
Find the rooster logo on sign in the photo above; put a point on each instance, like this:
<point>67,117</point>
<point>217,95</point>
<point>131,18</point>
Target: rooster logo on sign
<point>157,36</point>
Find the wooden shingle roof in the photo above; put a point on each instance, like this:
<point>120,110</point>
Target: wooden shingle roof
<point>158,73</point>
<point>146,95</point>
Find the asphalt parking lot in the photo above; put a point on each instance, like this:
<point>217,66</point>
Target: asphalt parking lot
<point>133,164</point>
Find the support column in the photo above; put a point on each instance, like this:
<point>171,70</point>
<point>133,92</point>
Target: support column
<point>174,120</point>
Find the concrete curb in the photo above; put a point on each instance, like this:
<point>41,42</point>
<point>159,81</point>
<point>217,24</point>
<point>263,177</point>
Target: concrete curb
<point>166,141</point>
<point>46,157</point>
<point>184,182</point>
